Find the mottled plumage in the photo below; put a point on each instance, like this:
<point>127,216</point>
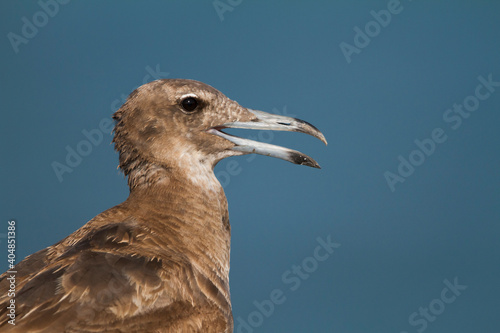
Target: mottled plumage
<point>158,262</point>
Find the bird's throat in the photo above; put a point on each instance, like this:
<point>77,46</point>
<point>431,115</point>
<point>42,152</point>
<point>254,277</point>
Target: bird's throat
<point>187,218</point>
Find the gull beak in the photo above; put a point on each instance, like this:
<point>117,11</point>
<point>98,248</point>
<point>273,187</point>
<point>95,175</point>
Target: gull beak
<point>267,121</point>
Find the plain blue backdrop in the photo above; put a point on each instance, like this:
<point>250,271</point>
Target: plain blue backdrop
<point>372,93</point>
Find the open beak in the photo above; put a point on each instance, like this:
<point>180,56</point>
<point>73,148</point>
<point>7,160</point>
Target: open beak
<point>267,121</point>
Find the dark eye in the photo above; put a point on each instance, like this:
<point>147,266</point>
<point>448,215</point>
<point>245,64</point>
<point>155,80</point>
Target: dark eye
<point>189,104</point>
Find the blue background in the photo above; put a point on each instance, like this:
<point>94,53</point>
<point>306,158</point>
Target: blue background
<point>397,247</point>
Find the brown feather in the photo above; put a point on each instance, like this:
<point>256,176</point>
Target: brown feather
<point>158,262</point>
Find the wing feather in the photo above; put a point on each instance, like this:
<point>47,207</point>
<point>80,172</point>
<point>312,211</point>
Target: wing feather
<point>101,283</point>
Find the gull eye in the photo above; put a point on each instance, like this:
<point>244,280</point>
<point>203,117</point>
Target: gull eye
<point>189,104</point>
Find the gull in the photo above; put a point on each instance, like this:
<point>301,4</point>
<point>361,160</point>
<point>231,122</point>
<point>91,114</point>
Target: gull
<point>159,261</point>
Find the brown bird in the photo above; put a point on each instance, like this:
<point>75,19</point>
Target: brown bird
<point>159,261</point>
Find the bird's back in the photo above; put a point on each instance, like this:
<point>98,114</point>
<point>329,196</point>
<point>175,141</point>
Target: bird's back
<point>115,274</point>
